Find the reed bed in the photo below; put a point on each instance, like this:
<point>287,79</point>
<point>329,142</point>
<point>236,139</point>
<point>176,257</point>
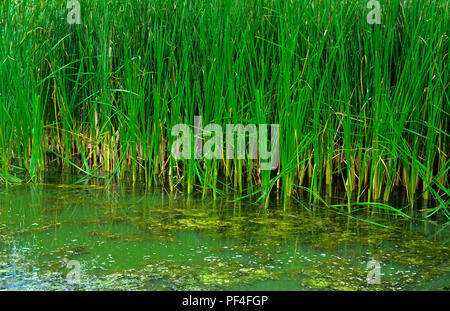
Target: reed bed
<point>365,105</point>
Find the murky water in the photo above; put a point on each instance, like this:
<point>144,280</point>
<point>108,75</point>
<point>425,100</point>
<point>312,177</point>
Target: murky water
<point>127,238</point>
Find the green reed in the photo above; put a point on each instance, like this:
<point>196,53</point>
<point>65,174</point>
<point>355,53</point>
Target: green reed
<point>365,105</point>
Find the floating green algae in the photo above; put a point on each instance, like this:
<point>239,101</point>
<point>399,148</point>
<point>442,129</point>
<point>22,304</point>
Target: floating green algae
<point>342,274</point>
<point>130,237</point>
<point>213,274</point>
<point>67,251</point>
<point>144,243</point>
<point>41,228</point>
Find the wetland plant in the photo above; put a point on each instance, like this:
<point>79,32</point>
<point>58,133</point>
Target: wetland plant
<point>364,104</point>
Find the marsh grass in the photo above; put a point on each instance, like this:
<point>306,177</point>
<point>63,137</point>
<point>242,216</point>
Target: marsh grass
<point>365,105</point>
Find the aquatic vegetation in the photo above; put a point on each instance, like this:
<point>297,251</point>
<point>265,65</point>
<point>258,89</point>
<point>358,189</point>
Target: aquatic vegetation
<point>67,251</point>
<point>213,274</point>
<point>115,235</point>
<point>416,251</point>
<point>5,235</point>
<point>108,219</point>
<point>366,106</point>
<point>137,245</point>
<point>165,237</point>
<point>201,224</point>
<point>44,227</point>
<point>341,274</point>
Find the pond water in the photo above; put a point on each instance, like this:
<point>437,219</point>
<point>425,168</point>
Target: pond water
<point>128,238</point>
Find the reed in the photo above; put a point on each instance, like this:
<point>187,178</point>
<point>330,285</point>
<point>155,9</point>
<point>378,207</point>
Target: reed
<point>364,104</point>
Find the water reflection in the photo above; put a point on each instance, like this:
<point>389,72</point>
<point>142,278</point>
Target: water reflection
<point>131,238</point>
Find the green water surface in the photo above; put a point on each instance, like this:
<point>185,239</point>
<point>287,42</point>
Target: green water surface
<point>127,238</point>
